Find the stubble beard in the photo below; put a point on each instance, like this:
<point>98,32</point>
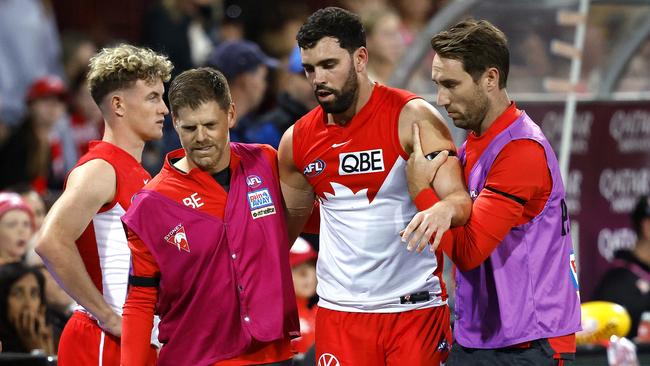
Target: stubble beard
<point>344,98</point>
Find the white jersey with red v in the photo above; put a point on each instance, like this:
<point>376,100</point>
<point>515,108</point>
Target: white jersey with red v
<point>358,173</point>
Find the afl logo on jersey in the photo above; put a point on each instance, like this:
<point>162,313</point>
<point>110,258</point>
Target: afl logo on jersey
<point>253,181</point>
<point>361,162</point>
<point>314,168</point>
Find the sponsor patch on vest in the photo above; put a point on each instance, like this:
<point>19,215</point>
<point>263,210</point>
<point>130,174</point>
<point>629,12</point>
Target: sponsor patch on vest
<point>253,181</point>
<point>261,203</point>
<point>314,168</point>
<point>178,238</point>
<point>573,270</point>
<point>361,162</point>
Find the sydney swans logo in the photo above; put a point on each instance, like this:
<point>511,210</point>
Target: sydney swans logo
<point>178,238</point>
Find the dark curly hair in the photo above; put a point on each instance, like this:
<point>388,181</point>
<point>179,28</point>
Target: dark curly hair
<point>336,23</point>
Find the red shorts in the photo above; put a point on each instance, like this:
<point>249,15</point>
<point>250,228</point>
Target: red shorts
<point>416,337</point>
<point>84,343</point>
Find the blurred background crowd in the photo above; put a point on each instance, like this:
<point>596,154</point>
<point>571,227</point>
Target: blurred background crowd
<point>47,116</point>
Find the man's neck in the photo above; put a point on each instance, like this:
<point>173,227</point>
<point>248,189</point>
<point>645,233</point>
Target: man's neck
<point>497,106</point>
<point>125,140</point>
<point>365,91</point>
<point>381,69</point>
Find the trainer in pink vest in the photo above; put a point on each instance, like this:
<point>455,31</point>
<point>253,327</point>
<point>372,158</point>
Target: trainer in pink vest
<point>227,281</point>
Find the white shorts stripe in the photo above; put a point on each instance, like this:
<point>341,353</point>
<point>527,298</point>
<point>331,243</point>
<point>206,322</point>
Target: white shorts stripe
<point>101,348</point>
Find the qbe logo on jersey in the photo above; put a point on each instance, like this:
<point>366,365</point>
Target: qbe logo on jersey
<point>261,203</point>
<point>361,162</point>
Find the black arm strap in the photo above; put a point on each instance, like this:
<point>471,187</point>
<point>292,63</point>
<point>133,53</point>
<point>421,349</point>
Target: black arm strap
<point>435,153</point>
<point>520,201</point>
<point>144,281</point>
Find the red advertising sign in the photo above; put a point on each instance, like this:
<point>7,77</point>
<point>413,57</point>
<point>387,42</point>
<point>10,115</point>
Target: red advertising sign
<point>608,170</point>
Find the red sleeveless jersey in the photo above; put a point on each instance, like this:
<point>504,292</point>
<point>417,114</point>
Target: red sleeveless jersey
<point>103,245</point>
<point>358,172</point>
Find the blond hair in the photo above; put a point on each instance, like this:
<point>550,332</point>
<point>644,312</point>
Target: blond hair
<point>120,67</point>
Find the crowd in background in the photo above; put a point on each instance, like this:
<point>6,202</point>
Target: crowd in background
<point>47,116</point>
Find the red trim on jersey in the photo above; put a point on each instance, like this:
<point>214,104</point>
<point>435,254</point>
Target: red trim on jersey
<point>313,223</point>
<point>87,246</point>
<point>140,303</point>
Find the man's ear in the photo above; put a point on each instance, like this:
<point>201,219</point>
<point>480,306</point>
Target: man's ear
<point>117,105</point>
<point>491,76</point>
<point>232,115</point>
<point>360,59</point>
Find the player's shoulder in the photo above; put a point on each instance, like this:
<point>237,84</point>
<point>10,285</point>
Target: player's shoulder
<point>311,117</point>
<point>92,170</point>
<point>95,179</point>
<point>266,149</point>
<point>254,150</point>
<point>419,107</point>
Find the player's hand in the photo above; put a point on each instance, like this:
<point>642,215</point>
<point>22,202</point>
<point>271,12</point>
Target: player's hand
<point>421,171</point>
<point>435,220</point>
<point>112,324</point>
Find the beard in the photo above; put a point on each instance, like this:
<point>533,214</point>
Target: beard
<point>344,98</point>
<point>476,111</point>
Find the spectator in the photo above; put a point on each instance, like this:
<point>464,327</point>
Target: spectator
<point>245,67</point>
<point>184,30</point>
<point>38,151</point>
<point>384,41</point>
<point>415,15</point>
<point>294,101</point>
<point>275,30</point>
<point>34,200</point>
<point>302,259</point>
<point>627,283</point>
<point>23,325</point>
<point>86,119</point>
<point>59,305</point>
<point>16,227</point>
<point>78,49</point>
<point>361,6</point>
<point>29,48</point>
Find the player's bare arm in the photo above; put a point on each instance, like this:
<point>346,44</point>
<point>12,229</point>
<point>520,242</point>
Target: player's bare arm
<point>88,188</point>
<point>297,192</point>
<point>422,132</point>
